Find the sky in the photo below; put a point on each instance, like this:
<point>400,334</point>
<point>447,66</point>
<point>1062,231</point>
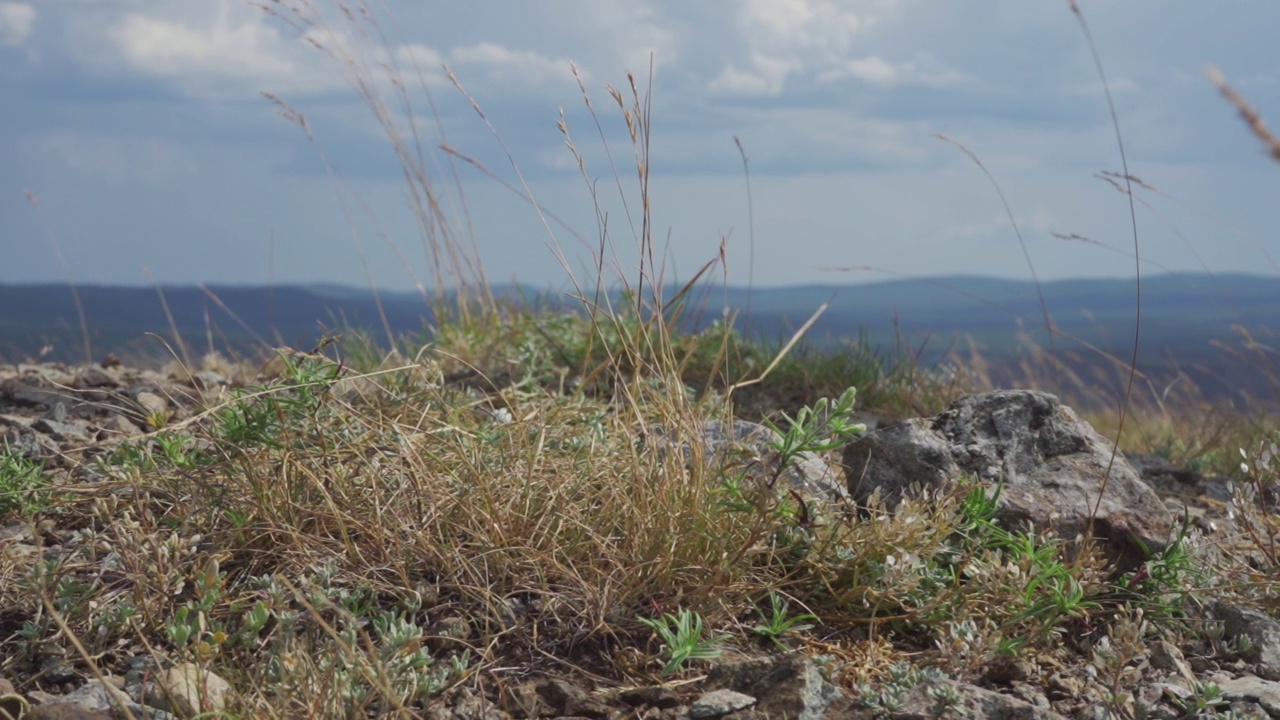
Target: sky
<point>229,141</point>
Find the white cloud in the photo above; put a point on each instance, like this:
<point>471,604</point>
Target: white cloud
<point>875,70</point>
<point>822,39</point>
<point>529,67</point>
<point>426,59</point>
<point>786,37</point>
<point>767,76</point>
<point>634,31</point>
<point>232,56</point>
<point>172,48</point>
<point>805,26</point>
<point>235,53</point>
<point>113,160</point>
<point>17,20</point>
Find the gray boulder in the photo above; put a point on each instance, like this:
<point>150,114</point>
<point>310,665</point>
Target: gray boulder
<point>1052,467</point>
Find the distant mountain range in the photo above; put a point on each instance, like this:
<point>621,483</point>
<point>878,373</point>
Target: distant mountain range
<point>1188,320</point>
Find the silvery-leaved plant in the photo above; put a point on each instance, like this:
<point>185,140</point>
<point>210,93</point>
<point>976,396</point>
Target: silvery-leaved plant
<point>824,426</point>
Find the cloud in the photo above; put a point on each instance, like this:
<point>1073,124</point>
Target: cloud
<point>232,56</point>
<point>767,76</point>
<point>528,67</point>
<point>175,49</point>
<point>17,20</point>
<point>789,27</point>
<point>427,59</point>
<point>634,31</point>
<point>875,70</point>
<point>817,39</point>
<point>835,102</point>
<point>234,53</point>
<point>785,38</point>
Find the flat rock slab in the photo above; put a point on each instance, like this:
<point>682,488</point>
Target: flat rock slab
<point>1052,468</point>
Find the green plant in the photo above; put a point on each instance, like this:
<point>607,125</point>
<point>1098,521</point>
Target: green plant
<point>179,450</point>
<point>193,628</point>
<point>1049,590</point>
<point>682,639</point>
<point>366,655</point>
<point>821,427</point>
<point>24,488</point>
<point>776,622</point>
<point>886,697</point>
<point>260,416</point>
<point>947,701</point>
<point>1166,581</point>
<point>1204,697</point>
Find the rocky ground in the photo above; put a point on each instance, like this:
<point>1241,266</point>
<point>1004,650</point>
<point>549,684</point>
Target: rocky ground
<point>63,417</point>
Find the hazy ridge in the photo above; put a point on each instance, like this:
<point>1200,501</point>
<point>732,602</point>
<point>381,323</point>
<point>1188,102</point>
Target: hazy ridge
<point>1184,315</point>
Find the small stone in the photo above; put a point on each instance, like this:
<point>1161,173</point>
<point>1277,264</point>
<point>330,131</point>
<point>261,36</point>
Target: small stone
<point>29,444</point>
<point>1201,665</point>
<point>1255,690</point>
<point>656,697</point>
<point>1065,685</point>
<point>567,699</point>
<point>23,393</point>
<point>61,431</point>
<point>92,377</point>
<point>1246,709</point>
<point>57,412</point>
<point>206,379</point>
<point>1166,656</point>
<point>120,426</point>
<point>1175,692</point>
<point>152,403</point>
<point>54,670</point>
<point>86,473</point>
<point>187,690</point>
<point>788,685</point>
<point>523,701</point>
<point>140,669</point>
<point>720,702</point>
<point>93,701</point>
<point>65,711</point>
<point>448,634</point>
<point>1262,631</point>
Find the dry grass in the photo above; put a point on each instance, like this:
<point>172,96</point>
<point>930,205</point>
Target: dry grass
<point>1251,116</point>
<point>362,532</point>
